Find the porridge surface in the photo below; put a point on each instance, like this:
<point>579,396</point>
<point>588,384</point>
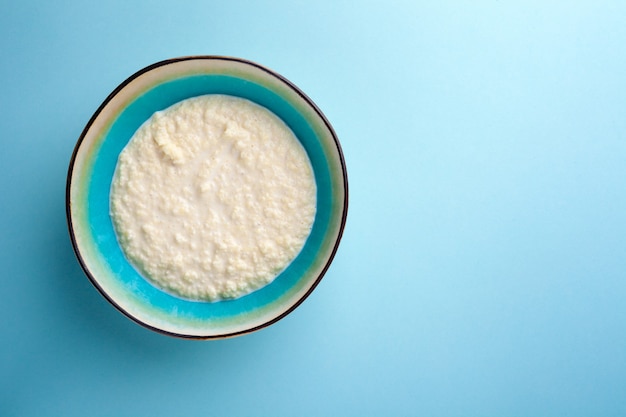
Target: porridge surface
<point>213,197</point>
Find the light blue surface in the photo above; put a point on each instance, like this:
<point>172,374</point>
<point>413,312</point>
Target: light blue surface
<point>483,266</point>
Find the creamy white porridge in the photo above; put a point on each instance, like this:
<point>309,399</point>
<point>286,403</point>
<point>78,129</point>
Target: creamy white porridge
<point>213,197</point>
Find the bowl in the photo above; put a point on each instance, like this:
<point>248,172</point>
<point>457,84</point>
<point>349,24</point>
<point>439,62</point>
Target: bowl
<point>93,164</point>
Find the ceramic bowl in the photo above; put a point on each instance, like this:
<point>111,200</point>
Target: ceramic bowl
<point>91,171</point>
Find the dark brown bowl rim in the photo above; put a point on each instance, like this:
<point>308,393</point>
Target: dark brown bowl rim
<point>68,202</point>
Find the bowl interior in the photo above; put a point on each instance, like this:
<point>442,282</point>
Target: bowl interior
<point>93,166</point>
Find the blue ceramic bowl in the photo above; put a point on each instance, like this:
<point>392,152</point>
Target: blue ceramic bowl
<point>91,171</point>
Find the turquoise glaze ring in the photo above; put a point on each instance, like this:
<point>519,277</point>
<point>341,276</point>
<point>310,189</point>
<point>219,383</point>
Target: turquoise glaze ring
<point>91,171</point>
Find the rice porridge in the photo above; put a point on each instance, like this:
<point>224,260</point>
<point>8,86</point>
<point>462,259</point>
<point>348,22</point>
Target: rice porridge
<point>212,198</point>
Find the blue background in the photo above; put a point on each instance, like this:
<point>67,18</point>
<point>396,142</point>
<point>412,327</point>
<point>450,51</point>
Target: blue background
<point>483,266</point>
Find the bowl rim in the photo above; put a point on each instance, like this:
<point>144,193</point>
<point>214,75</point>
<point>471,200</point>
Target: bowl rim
<point>68,200</point>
